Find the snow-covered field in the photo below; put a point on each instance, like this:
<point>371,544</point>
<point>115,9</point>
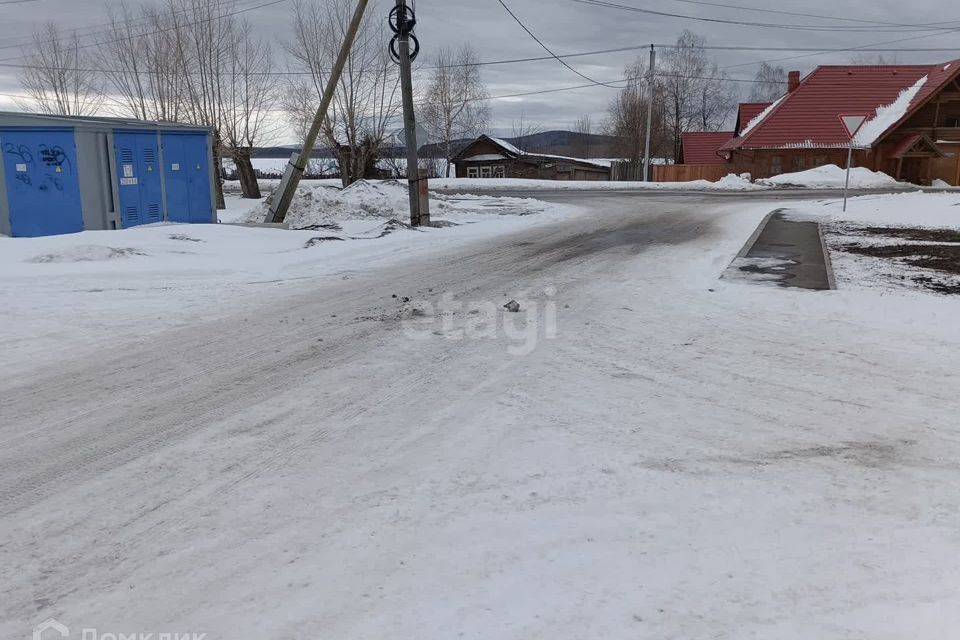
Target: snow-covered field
<point>674,455</point>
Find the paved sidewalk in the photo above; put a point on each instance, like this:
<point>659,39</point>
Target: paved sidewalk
<point>788,252</point>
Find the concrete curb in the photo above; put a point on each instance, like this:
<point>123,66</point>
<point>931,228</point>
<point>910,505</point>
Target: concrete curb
<point>827,261</point>
<point>752,240</point>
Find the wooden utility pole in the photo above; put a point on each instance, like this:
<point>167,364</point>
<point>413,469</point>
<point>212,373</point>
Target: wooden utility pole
<point>298,161</point>
<point>650,97</point>
<point>405,21</point>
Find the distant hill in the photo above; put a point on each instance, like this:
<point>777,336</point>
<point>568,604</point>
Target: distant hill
<point>559,143</point>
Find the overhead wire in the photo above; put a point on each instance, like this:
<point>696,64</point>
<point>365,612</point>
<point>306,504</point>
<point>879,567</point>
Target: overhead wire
<point>545,47</point>
<point>747,23</point>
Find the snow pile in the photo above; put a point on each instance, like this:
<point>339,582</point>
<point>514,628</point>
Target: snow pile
<point>831,176</point>
<point>887,116</point>
<point>734,182</point>
<point>386,200</point>
<point>325,203</point>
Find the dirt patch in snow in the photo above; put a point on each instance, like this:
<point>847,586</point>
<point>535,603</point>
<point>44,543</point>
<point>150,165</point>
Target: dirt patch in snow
<point>87,253</point>
<point>934,252</point>
<point>916,234</point>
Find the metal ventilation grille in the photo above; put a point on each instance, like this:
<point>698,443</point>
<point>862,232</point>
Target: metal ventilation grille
<point>153,213</point>
<point>149,155</point>
<point>133,216</point>
<point>126,156</point>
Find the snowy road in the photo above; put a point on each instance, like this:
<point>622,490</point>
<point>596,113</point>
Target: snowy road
<point>655,453</point>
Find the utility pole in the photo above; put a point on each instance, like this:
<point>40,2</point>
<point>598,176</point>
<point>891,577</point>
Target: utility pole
<point>298,161</point>
<point>403,20</point>
<point>650,96</point>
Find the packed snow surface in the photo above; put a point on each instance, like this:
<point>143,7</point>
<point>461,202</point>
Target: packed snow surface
<point>672,457</point>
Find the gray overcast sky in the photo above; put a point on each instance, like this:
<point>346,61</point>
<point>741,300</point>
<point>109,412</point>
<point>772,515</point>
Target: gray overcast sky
<point>567,27</point>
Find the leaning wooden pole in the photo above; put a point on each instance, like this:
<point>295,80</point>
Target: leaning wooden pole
<point>298,161</point>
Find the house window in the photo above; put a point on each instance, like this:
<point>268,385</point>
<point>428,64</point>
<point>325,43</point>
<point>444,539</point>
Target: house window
<point>564,168</point>
<point>952,123</point>
<point>776,165</point>
<point>485,172</point>
<point>498,171</point>
<point>472,172</point>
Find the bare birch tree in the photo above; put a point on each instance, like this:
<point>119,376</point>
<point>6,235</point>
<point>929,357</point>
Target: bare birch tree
<point>58,76</point>
<point>367,97</point>
<point>205,36</point>
<point>717,100</point>
<point>455,104</point>
<point>696,95</point>
<point>248,98</point>
<point>141,62</point>
<point>769,84</point>
<point>522,133</point>
<point>583,127</point>
<point>143,66</point>
<point>627,113</point>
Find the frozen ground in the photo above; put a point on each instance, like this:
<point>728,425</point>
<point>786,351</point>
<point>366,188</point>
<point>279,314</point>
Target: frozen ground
<point>911,210</point>
<point>643,451</point>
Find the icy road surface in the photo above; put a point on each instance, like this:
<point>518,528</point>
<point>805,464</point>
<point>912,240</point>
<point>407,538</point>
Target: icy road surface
<point>666,456</point>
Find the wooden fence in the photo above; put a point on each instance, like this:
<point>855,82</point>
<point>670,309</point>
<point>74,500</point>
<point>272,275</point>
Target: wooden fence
<point>689,172</point>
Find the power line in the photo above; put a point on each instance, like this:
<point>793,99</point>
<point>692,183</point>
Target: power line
<point>790,27</point>
<point>802,15</point>
<point>545,47</point>
<point>845,50</point>
<point>579,54</point>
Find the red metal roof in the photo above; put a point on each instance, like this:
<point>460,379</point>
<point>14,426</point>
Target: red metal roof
<point>701,147</point>
<point>807,117</point>
<point>748,111</point>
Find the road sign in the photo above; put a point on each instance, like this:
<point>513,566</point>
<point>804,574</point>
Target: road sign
<point>852,122</point>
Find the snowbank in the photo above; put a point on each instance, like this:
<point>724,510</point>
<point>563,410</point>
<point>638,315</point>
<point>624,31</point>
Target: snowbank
<point>916,208</point>
<point>831,176</point>
<point>387,200</point>
<point>731,182</point>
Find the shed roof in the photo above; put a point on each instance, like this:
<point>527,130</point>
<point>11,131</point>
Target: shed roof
<point>17,118</point>
<point>512,152</point>
<point>808,116</point>
<point>747,112</point>
<point>703,147</point>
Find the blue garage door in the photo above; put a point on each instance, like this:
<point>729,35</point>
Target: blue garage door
<point>43,192</point>
<point>138,177</point>
<point>186,158</point>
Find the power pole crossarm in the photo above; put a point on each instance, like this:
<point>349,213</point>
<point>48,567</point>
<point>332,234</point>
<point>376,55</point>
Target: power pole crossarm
<point>298,161</point>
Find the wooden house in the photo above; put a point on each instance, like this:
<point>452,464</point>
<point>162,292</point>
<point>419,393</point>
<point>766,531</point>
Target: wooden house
<point>912,132</point>
<point>488,157</point>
